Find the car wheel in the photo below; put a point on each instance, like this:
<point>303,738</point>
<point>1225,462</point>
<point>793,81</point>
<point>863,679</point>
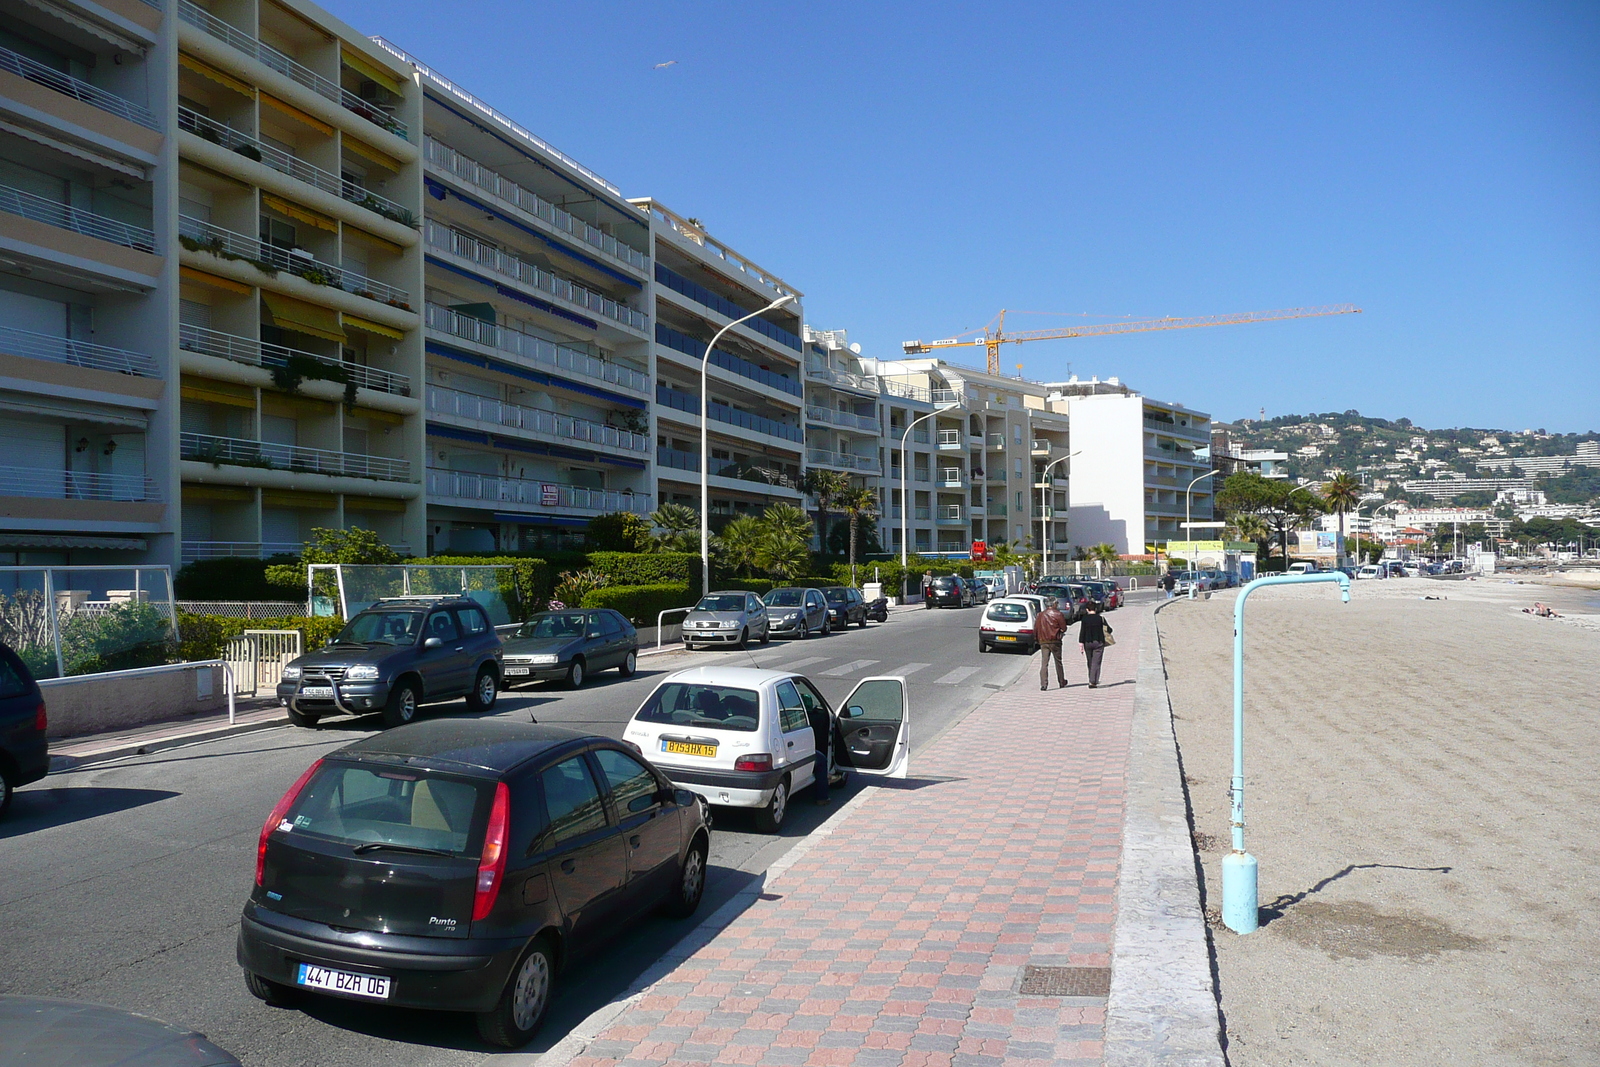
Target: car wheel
<point>744,639</point>
<point>981,646</point>
<point>6,789</point>
<point>863,622</point>
<point>769,820</point>
<point>303,718</point>
<point>402,706</point>
<point>484,690</point>
<point>575,673</point>
<point>684,900</point>
<point>766,633</point>
<point>827,626</point>
<point>513,1021</point>
<point>805,629</point>
<point>629,665</point>
<point>268,991</point>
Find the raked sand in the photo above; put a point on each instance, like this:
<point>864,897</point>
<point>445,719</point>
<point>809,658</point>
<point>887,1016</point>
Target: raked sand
<point>1423,795</point>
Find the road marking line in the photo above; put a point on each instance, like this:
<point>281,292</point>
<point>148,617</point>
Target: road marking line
<point>909,668</point>
<point>956,676</point>
<point>797,664</point>
<point>850,668</point>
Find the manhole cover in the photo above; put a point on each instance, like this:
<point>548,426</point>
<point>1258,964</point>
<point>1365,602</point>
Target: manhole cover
<point>1066,981</point>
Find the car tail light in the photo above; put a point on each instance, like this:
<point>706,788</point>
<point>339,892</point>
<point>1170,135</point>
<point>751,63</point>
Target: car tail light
<point>278,812</point>
<point>492,867</point>
<point>1027,633</point>
<point>987,629</point>
<point>41,721</point>
<point>633,746</point>
<point>756,761</point>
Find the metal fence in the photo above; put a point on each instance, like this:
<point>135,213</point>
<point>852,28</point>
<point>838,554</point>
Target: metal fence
<point>245,609</point>
<point>257,658</point>
<point>344,589</point>
<point>66,621</point>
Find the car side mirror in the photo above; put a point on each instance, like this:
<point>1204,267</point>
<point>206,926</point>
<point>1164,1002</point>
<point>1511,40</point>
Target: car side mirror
<point>683,797</point>
<point>433,642</point>
<point>594,633</point>
<point>643,803</point>
<point>853,712</point>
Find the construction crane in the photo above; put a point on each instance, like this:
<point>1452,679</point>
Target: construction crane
<point>994,334</point>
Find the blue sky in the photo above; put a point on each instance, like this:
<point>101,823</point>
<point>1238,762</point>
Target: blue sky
<point>913,168</point>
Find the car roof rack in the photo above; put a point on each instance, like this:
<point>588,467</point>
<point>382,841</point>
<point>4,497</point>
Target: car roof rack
<point>429,597</point>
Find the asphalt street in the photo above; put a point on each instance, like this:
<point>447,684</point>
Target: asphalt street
<point>122,883</point>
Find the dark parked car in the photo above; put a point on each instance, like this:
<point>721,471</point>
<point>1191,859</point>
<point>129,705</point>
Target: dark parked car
<point>1070,597</point>
<point>845,606</point>
<point>458,864</point>
<point>946,591</point>
<point>980,592</point>
<point>570,646</point>
<point>795,611</point>
<point>395,656</point>
<point>58,1032</point>
<point>24,753</point>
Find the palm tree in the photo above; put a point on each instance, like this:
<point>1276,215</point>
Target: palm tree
<point>740,542</point>
<point>1104,552</point>
<point>1342,494</point>
<point>858,504</point>
<point>682,526</point>
<point>785,550</point>
<point>827,488</point>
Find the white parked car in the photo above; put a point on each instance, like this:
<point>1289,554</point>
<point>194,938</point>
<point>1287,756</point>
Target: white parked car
<point>741,737</point>
<point>1371,570</point>
<point>1304,568</point>
<point>1008,623</point>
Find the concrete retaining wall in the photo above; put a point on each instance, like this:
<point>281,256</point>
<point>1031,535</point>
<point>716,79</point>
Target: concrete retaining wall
<point>118,700</point>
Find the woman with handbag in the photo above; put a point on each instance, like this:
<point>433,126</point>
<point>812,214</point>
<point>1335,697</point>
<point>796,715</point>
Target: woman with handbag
<point>1094,634</point>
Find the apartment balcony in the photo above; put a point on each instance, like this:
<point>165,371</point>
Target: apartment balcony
<point>443,239</point>
<point>193,550</point>
<point>689,403</point>
<point>1172,455</point>
<point>76,485</point>
<point>480,177</point>
<point>72,353</point>
<point>765,479</point>
<point>952,478</point>
<point>950,440</point>
<point>446,486</point>
<point>1159,479</point>
<point>996,441</point>
<point>676,282</point>
<point>921,476</point>
<point>944,396</point>
<point>1198,433</point>
<point>906,392</point>
<point>922,514</point>
<point>997,511</point>
<point>455,404</point>
<point>54,213</point>
<point>682,342</point>
<point>819,371</point>
<point>845,419</point>
<point>289,68</point>
<point>949,515</point>
<point>844,461</point>
<point>32,70</point>
<point>243,350</point>
<point>240,452</point>
<point>287,163</point>
<point>199,236</point>
<point>565,361</point>
<point>1050,483</point>
<point>1042,448</point>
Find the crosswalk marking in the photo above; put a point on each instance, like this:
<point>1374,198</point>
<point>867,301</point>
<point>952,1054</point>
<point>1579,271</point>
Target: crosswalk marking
<point>956,676</point>
<point>797,664</point>
<point>853,667</point>
<point>909,668</point>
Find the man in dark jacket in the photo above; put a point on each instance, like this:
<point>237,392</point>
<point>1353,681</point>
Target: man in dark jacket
<point>1169,582</point>
<point>1092,633</point>
<point>1049,628</point>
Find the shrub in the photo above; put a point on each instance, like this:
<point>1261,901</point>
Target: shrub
<point>647,568</point>
<point>202,637</point>
<point>125,637</point>
<point>575,585</point>
<point>641,603</point>
<point>533,579</point>
<point>619,531</point>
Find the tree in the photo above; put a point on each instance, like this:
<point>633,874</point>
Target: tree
<point>858,505</point>
<point>1105,552</point>
<point>785,550</point>
<point>680,527</point>
<point>827,488</point>
<point>740,542</point>
<point>1342,495</point>
<point>355,545</point>
<point>1276,503</point>
<point>619,531</point>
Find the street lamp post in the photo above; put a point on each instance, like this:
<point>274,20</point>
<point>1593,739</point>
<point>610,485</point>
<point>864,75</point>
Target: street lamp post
<point>905,504</point>
<point>1044,516</point>
<point>1188,526</point>
<point>705,450</point>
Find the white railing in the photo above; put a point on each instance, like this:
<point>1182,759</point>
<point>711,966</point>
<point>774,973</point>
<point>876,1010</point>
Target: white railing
<point>75,485</point>
<point>200,236</point>
<point>847,460</point>
<point>948,513</point>
<point>908,392</point>
<point>849,420</point>
<point>444,401</point>
<point>193,550</point>
<point>952,476</point>
<point>235,451</point>
<point>537,349</point>
<point>75,353</point>
<point>67,85</point>
<point>258,658</point>
<point>950,439</point>
<point>208,342</point>
<point>473,250</point>
<point>944,396</point>
<point>464,485</point>
<point>823,372</point>
<point>697,235</point>
<point>54,213</point>
<point>476,174</point>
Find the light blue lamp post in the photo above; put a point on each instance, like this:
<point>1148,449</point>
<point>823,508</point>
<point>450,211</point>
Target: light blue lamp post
<point>1240,904</point>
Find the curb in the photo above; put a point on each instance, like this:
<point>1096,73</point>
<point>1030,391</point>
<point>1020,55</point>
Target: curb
<point>144,748</point>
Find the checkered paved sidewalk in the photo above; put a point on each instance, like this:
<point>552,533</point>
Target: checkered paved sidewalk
<point>901,938</point>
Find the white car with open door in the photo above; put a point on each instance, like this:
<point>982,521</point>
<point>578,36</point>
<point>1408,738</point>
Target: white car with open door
<point>741,737</point>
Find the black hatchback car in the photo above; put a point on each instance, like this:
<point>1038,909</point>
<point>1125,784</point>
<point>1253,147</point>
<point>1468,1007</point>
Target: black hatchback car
<point>24,752</point>
<point>946,591</point>
<point>845,606</point>
<point>458,864</point>
<point>395,656</point>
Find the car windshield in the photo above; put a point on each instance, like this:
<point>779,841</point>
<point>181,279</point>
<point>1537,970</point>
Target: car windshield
<point>717,707</point>
<point>836,596</point>
<point>367,805</point>
<point>553,624</point>
<point>721,602</point>
<point>785,598</point>
<point>391,627</point>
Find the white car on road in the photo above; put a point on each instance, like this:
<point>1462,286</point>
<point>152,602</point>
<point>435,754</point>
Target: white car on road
<point>1009,623</point>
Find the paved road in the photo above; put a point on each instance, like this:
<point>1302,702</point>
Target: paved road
<point>122,883</point>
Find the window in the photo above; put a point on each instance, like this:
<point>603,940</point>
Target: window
<point>791,712</point>
<point>707,706</point>
<point>1018,464</point>
<point>13,682</point>
<point>810,697</point>
<point>752,603</point>
<point>393,627</point>
<point>572,800</point>
<point>610,623</point>
<point>442,626</point>
<point>1017,434</point>
<point>472,620</point>
<point>628,778</point>
<point>359,805</point>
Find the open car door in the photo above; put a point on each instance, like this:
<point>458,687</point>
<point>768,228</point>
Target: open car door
<point>876,724</point>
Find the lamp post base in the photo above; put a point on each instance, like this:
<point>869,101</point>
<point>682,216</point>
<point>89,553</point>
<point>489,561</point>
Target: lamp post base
<point>1240,905</point>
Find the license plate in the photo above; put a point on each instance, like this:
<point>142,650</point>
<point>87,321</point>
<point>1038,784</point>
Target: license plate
<point>317,691</point>
<point>1005,637</point>
<point>516,671</point>
<point>355,985</point>
<point>684,748</point>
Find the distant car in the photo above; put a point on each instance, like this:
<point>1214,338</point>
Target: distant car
<point>793,611</point>
<point>1070,597</point>
<point>570,646</point>
<point>946,591</point>
<point>1191,580</point>
<point>845,606</point>
<point>47,1031</point>
<point>395,656</point>
<point>1009,623</point>
<point>1106,594</point>
<point>1371,570</point>
<point>24,751</point>
<point>980,590</point>
<point>457,866</point>
<point>1080,597</point>
<point>995,585</point>
<point>1303,568</point>
<point>727,617</point>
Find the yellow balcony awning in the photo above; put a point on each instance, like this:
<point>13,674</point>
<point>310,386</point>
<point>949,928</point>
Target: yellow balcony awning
<point>361,63</point>
<point>210,73</point>
<point>292,314</point>
<point>200,277</point>
<point>353,322</point>
<point>212,392</point>
<point>298,213</point>
<point>290,498</point>
<point>296,114</point>
<point>373,503</point>
<point>370,154</point>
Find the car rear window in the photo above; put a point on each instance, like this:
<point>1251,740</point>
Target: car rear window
<point>1008,613</point>
<point>364,805</point>
<point>14,678</point>
<point>944,583</point>
<point>718,707</point>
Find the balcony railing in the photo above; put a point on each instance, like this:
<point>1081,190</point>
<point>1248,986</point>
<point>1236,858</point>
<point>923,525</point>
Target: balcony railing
<point>476,174</point>
<point>444,239</point>
<point>288,163</point>
<point>922,514</point>
<point>820,371</point>
<point>682,342</point>
<point>443,401</point>
<point>908,392</point>
<point>950,439</point>
<point>199,236</point>
<point>289,68</point>
<point>948,513</point>
<point>722,468</point>
<point>944,396</point>
<point>193,550</point>
<point>67,85</point>
<point>1173,427</point>
<point>918,475</point>
<point>54,213</point>
<point>193,338</point>
<point>722,306</point>
<point>952,477</point>
<point>996,510</point>
<point>822,457</point>
<point>848,419</point>
<point>535,349</point>
<point>997,440</point>
<point>75,353</point>
<point>464,485</point>
<point>690,403</point>
<point>75,485</point>
<point>238,452</point>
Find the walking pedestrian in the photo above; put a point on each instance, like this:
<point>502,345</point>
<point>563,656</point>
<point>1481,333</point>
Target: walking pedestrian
<point>1050,627</point>
<point>1093,635</point>
<point>1169,582</point>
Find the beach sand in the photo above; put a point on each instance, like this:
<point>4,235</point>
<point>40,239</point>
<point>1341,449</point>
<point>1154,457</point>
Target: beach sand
<point>1424,802</point>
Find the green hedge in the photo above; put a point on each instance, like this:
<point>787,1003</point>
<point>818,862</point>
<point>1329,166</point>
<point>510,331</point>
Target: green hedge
<point>534,578</point>
<point>641,603</point>
<point>206,636</point>
<point>647,568</point>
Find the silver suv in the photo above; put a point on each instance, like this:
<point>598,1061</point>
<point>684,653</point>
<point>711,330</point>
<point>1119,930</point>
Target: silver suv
<point>727,617</point>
